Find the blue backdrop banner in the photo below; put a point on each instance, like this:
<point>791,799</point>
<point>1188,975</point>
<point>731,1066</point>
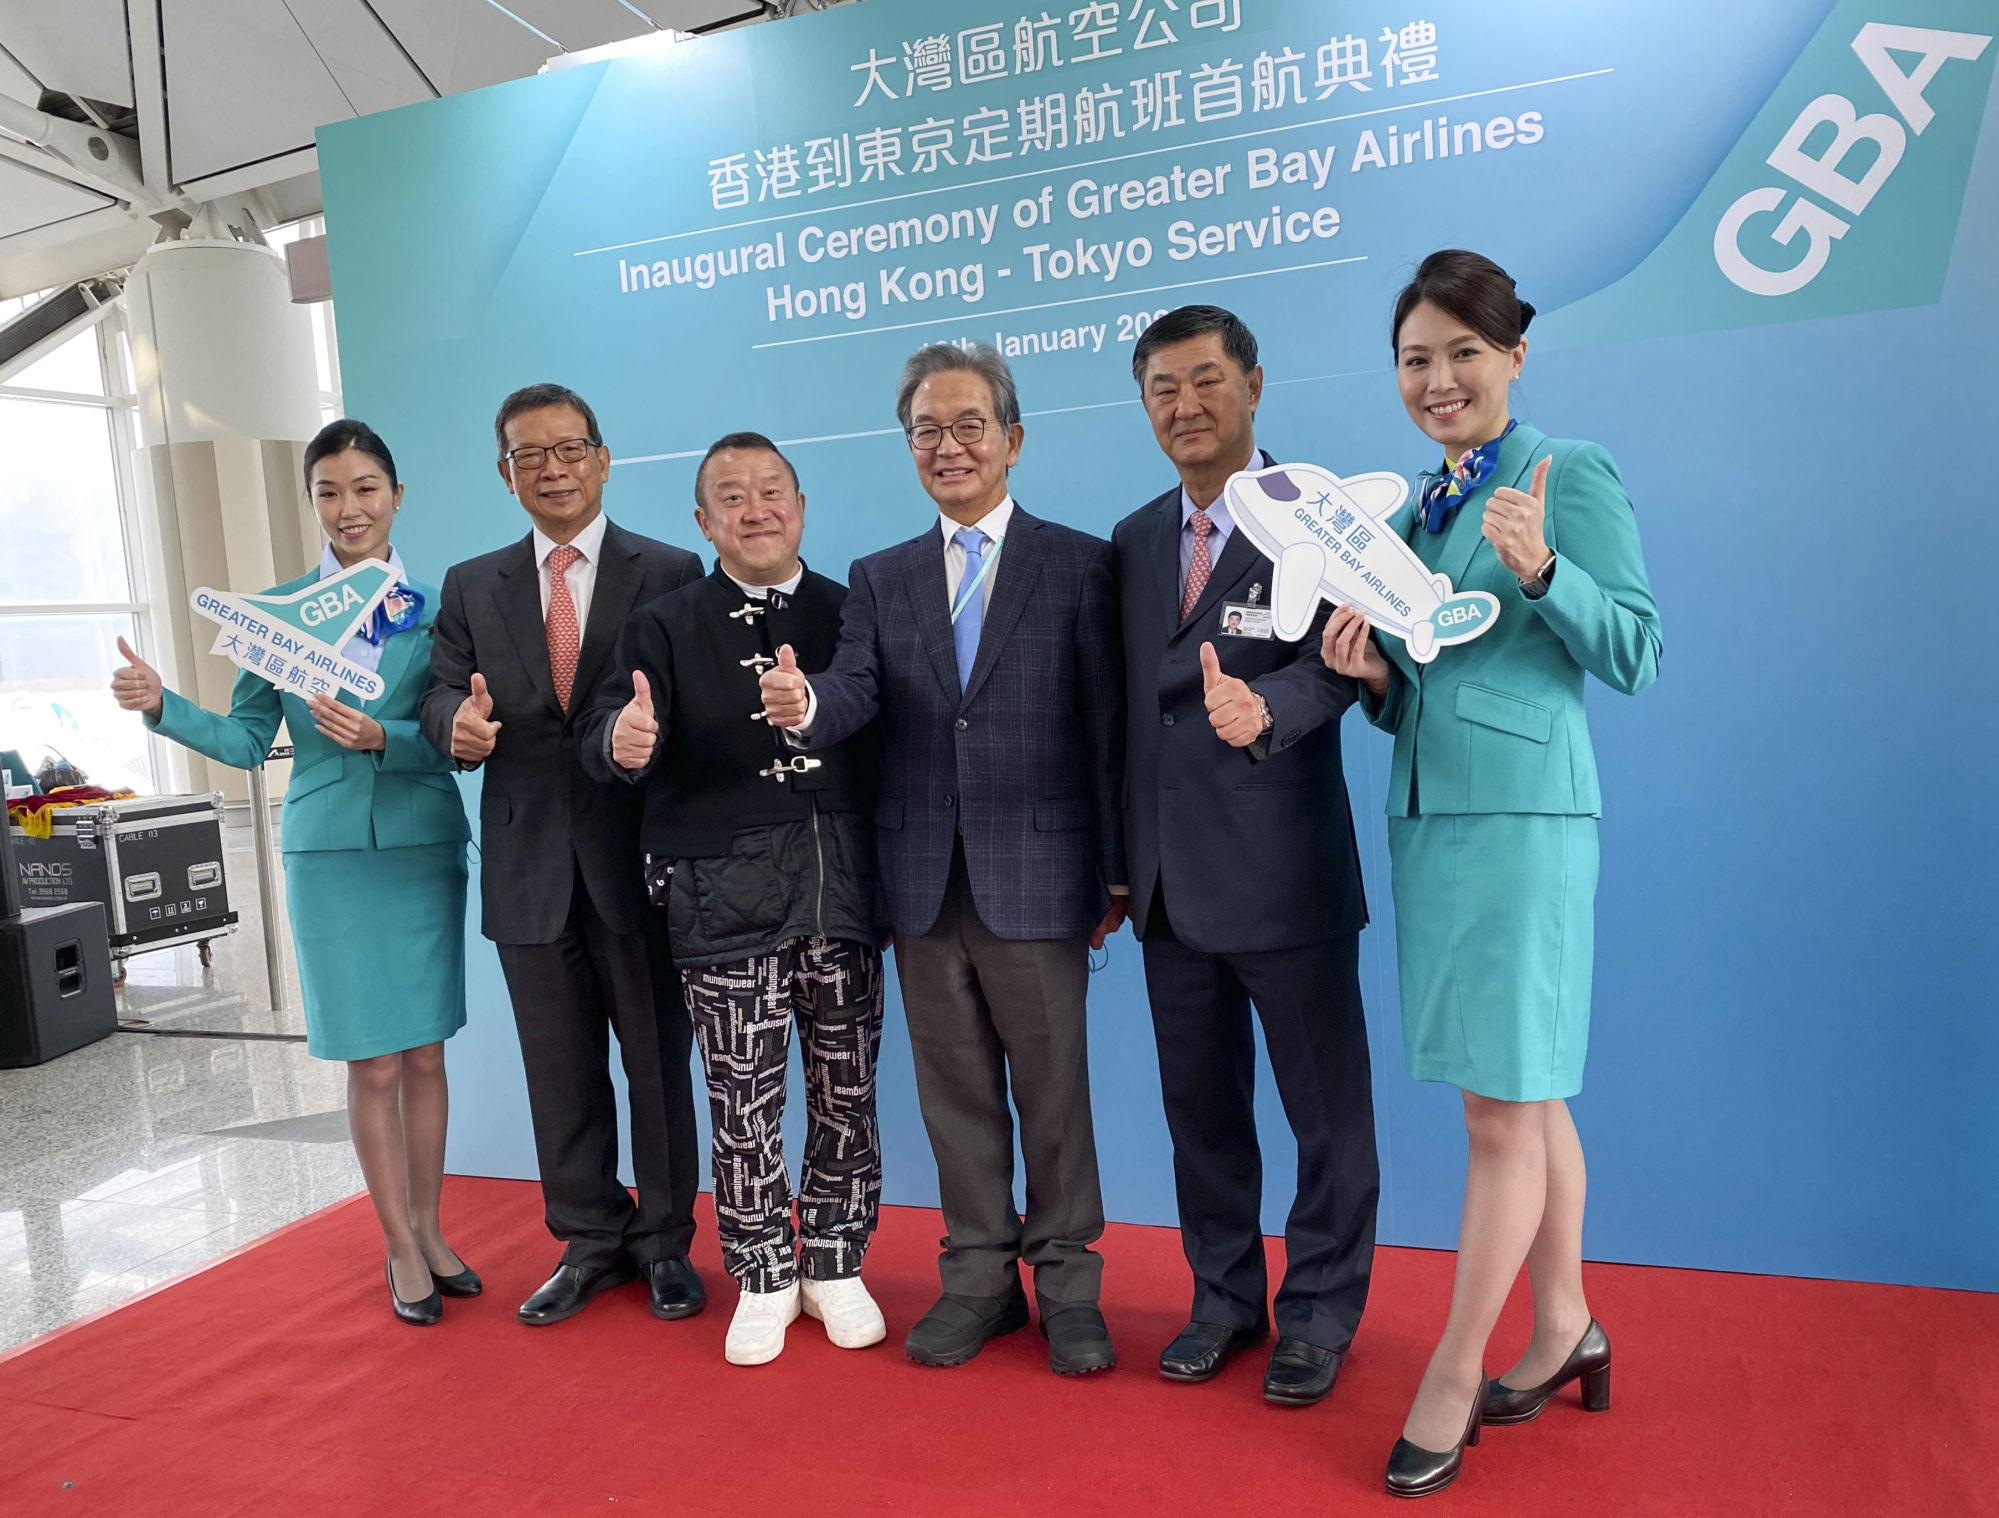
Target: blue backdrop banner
<point>1762,239</point>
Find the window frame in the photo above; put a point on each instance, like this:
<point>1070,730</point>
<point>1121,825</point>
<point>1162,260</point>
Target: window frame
<point>121,437</point>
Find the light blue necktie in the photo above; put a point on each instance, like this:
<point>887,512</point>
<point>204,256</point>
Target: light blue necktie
<point>969,615</point>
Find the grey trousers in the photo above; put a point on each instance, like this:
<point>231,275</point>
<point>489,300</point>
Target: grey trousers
<point>984,1011</point>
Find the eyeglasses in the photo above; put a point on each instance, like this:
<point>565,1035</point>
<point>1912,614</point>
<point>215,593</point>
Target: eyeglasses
<point>928,435</point>
<point>571,450</point>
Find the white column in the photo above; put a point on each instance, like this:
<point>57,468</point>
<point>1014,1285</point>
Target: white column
<point>228,399</point>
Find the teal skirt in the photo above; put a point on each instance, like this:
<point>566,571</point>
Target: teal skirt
<point>1495,936</point>
<point>380,935</point>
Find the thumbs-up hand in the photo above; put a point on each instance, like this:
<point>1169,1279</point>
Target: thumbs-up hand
<point>1513,525</point>
<point>1232,705</point>
<point>473,732</point>
<point>786,695</point>
<point>637,731</point>
<point>137,687</point>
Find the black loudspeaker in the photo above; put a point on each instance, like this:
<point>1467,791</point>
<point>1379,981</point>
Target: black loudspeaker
<point>55,982</point>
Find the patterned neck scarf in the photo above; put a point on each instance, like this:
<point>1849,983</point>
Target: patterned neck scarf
<point>400,610</point>
<point>1444,493</point>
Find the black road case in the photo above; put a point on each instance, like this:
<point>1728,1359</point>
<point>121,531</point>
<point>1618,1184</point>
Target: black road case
<point>155,862</point>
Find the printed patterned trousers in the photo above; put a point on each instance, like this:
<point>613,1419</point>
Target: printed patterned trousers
<point>742,1015</point>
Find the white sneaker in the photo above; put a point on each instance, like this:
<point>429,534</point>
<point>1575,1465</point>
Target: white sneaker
<point>852,1320</point>
<point>756,1332</point>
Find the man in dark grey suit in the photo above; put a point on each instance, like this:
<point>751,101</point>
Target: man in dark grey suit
<point>1245,885</point>
<point>521,640</point>
<point>986,647</point>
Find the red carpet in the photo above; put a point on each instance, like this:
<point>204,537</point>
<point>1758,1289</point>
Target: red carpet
<point>275,1382</point>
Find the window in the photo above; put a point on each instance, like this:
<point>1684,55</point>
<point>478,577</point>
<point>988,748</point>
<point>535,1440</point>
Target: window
<point>67,587</point>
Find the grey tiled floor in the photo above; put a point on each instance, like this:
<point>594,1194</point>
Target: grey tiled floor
<point>118,1166</point>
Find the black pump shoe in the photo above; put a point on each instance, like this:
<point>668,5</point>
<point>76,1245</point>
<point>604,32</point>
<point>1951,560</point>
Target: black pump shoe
<point>1417,1472</point>
<point>1588,1362</point>
<point>419,1314</point>
<point>465,1283</point>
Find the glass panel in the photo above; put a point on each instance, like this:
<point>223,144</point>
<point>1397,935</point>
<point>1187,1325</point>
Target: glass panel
<point>55,698</point>
<point>59,515</point>
<point>73,368</point>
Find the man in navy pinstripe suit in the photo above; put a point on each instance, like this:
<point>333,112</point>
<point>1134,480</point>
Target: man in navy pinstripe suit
<point>987,649</point>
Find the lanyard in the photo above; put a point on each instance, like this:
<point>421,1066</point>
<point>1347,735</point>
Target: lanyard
<point>967,592</point>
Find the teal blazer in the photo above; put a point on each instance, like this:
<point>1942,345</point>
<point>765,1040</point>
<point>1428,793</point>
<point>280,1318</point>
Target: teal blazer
<point>1497,724</point>
<point>394,797</point>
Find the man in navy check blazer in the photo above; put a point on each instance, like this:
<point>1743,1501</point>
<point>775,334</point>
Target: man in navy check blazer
<point>1245,885</point>
<point>987,649</point>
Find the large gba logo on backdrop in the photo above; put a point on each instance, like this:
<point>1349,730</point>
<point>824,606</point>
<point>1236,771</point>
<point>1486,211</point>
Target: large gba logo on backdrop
<point>1842,195</point>
<point>1833,154</point>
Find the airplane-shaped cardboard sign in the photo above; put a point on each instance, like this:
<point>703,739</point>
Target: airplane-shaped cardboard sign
<point>294,641</point>
<point>1330,541</point>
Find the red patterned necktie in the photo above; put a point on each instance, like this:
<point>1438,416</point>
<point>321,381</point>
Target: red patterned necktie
<point>564,642</point>
<point>1197,566</point>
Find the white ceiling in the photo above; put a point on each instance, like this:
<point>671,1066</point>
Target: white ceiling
<point>223,96</point>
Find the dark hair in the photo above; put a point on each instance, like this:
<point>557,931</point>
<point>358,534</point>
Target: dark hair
<point>534,398</point>
<point>348,435</point>
<point>1470,287</point>
<point>982,359</point>
<point>1176,326</point>
<point>754,441</point>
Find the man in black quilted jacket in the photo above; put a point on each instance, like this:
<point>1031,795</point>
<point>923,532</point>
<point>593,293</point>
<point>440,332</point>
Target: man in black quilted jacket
<point>762,857</point>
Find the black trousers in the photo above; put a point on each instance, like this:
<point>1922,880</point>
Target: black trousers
<point>742,1012</point>
<point>1308,999</point>
<point>569,996</point>
<point>984,1013</point>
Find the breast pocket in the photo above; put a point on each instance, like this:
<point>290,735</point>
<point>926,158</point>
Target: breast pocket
<point>1507,714</point>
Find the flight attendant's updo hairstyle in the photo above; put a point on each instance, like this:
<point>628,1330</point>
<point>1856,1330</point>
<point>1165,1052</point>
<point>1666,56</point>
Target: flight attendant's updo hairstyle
<point>339,437</point>
<point>1470,287</point>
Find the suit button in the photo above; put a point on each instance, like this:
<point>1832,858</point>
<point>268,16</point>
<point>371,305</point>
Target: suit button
<point>963,724</point>
<point>950,800</point>
<point>1167,719</point>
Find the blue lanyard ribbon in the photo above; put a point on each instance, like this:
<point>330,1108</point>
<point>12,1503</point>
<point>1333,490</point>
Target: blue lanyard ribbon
<point>966,593</point>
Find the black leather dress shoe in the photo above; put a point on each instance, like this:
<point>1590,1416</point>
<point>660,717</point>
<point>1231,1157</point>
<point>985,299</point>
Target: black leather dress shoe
<point>676,1290</point>
<point>957,1328</point>
<point>1588,1362</point>
<point>1417,1472</point>
<point>569,1290</point>
<point>1300,1373</point>
<point>1078,1341</point>
<point>464,1284</point>
<point>416,1314</point>
<point>1202,1349</point>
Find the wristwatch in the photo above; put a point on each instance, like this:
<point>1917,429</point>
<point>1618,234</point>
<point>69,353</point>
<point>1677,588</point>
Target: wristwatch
<point>1263,715</point>
<point>1537,587</point>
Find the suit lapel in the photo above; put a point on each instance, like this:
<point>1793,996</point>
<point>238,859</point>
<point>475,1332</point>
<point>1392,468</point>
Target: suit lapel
<point>1239,556</point>
<point>1013,582</point>
<point>1466,534</point>
<point>519,598</point>
<point>1165,554</point>
<point>923,582</point>
<point>396,654</point>
<point>611,601</point>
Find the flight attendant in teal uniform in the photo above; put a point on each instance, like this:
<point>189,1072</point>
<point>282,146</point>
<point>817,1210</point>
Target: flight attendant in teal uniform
<point>374,841</point>
<point>1492,808</point>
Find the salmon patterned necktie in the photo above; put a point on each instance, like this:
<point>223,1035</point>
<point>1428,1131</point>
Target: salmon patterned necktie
<point>1198,566</point>
<point>564,643</point>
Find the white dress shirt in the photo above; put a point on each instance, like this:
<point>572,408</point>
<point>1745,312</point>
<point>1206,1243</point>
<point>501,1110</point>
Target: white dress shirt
<point>581,576</point>
<point>359,650</point>
<point>993,524</point>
